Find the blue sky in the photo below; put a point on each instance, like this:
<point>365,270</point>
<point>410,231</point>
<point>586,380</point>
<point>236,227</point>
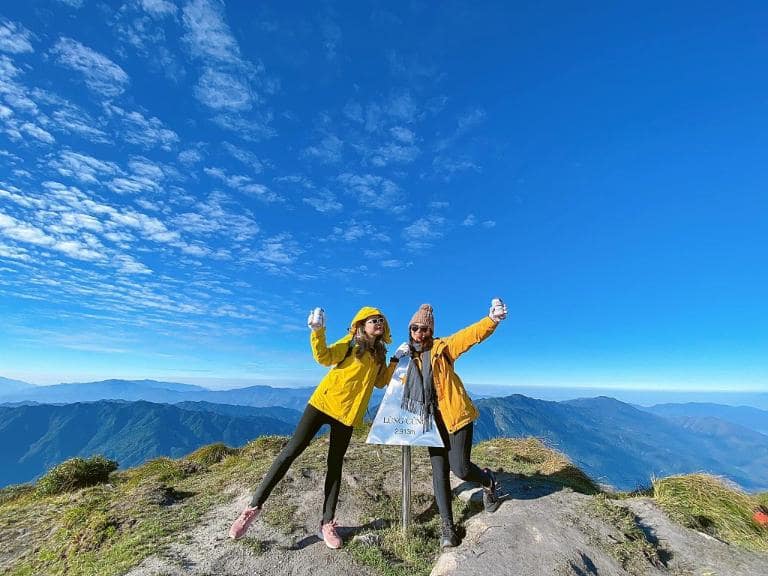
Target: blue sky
<point>181,181</point>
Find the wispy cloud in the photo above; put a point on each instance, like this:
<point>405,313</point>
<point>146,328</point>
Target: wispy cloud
<point>424,232</point>
<point>159,8</point>
<point>324,201</point>
<point>327,151</point>
<point>373,191</point>
<point>244,184</point>
<point>83,167</point>
<point>246,157</point>
<point>446,167</point>
<point>135,128</point>
<point>15,38</point>
<point>352,231</point>
<point>99,73</point>
<point>228,82</point>
<point>464,124</point>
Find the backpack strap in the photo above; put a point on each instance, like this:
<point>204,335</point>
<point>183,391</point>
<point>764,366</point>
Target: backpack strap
<point>348,352</point>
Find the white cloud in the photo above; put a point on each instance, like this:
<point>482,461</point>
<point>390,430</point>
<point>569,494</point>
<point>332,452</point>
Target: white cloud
<point>328,150</point>
<point>392,263</point>
<point>83,167</point>
<point>37,132</point>
<point>324,202</point>
<point>159,7</point>
<point>464,124</point>
<point>446,167</point>
<point>14,253</point>
<point>223,91</point>
<point>15,38</point>
<point>470,220</point>
<point>243,184</point>
<point>190,157</point>
<point>208,35</point>
<point>276,254</point>
<point>99,73</point>
<point>248,158</point>
<point>23,232</point>
<point>402,134</point>
<point>373,191</point>
<point>72,3</point>
<point>137,129</point>
<point>393,153</point>
<point>255,127</point>
<point>489,224</point>
<point>423,233</point>
<point>353,231</point>
<point>75,121</point>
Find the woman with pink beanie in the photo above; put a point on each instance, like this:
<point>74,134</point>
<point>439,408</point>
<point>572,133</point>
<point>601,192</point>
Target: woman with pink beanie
<point>432,388</point>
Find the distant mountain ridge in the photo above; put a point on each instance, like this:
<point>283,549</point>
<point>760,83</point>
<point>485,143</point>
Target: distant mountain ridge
<point>746,416</point>
<point>624,446</point>
<point>40,436</point>
<point>9,386</point>
<point>159,392</point>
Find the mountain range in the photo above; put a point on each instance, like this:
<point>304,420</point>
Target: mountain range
<point>155,391</point>
<point>625,447</point>
<point>36,437</point>
<point>619,444</point>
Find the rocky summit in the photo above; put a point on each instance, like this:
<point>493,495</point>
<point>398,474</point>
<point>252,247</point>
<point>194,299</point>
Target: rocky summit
<point>170,517</point>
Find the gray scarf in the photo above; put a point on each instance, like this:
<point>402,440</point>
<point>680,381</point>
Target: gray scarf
<point>419,392</point>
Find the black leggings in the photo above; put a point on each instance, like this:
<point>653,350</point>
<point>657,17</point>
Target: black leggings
<point>453,458</point>
<point>312,420</point>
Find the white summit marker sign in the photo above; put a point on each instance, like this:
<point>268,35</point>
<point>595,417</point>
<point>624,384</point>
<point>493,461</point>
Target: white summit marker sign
<point>394,426</point>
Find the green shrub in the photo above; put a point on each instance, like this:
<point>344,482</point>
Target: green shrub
<point>76,473</point>
<point>212,454</point>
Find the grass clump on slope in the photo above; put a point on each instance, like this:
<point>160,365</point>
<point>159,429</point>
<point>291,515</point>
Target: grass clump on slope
<point>76,473</point>
<point>532,458</point>
<point>710,505</point>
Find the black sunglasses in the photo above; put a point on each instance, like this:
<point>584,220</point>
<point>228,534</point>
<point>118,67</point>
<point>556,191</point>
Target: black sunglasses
<point>417,328</point>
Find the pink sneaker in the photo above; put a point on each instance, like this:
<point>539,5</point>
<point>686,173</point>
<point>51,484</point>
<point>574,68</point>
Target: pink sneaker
<point>240,526</point>
<point>328,534</point>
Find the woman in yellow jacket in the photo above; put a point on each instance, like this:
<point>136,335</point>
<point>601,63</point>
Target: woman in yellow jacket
<point>432,388</point>
<point>340,401</point>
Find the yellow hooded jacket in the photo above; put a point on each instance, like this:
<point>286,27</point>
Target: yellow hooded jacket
<point>454,403</point>
<point>344,392</point>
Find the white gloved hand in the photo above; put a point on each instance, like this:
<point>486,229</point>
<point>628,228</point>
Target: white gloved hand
<point>498,311</point>
<point>402,350</point>
<point>316,319</point>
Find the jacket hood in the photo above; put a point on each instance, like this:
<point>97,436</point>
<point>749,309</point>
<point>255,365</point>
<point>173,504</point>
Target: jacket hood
<point>367,311</point>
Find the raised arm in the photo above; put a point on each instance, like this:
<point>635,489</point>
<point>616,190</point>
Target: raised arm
<point>328,355</point>
<point>465,338</point>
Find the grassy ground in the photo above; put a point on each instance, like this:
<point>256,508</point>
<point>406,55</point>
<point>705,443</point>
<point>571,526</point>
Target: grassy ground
<point>108,528</point>
<point>711,505</point>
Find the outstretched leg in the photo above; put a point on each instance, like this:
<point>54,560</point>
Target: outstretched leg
<point>306,429</point>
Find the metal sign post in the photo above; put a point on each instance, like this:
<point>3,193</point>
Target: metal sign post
<point>395,426</point>
<point>406,489</point>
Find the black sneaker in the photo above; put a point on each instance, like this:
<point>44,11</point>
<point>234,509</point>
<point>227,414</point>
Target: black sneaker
<point>448,538</point>
<point>491,500</point>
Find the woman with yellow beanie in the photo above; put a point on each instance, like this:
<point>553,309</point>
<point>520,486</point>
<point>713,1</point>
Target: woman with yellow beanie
<point>432,388</point>
<point>340,401</point>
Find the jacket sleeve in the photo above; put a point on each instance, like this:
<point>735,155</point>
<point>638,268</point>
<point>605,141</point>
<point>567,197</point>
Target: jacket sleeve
<point>328,355</point>
<point>465,338</point>
<point>385,375</point>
